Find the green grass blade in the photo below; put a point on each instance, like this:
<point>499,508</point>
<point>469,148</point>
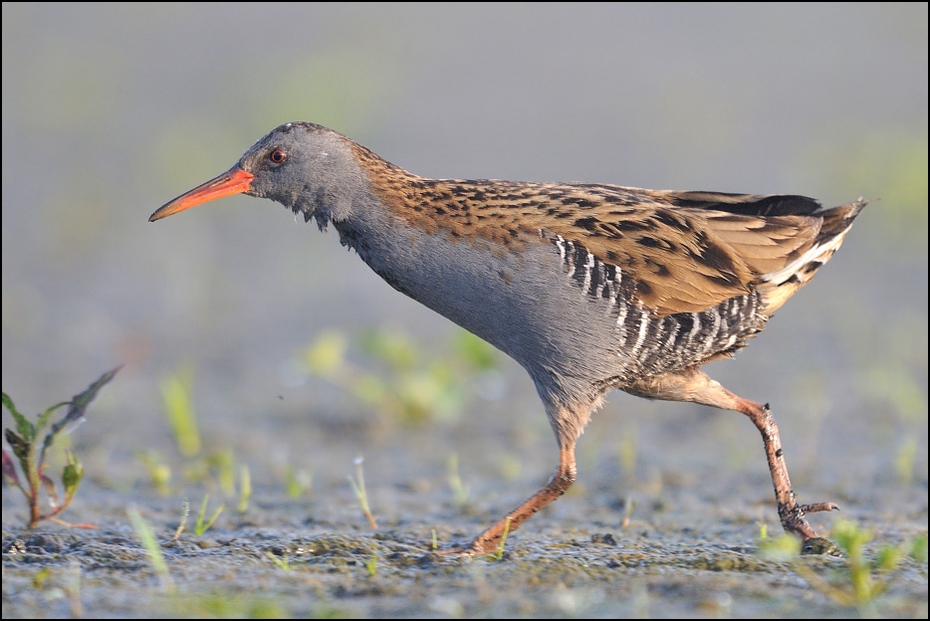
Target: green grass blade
<point>150,545</point>
<point>176,394</point>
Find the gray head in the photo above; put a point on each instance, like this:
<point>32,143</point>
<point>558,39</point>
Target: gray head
<point>304,166</point>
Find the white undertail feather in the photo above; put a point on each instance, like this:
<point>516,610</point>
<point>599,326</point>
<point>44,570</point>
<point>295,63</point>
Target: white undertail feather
<point>780,285</point>
<point>820,252</point>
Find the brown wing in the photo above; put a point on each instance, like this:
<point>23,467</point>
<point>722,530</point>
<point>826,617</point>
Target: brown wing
<point>690,259</point>
<point>687,251</point>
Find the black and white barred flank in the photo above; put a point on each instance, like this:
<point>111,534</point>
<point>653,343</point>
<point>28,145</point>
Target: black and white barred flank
<point>656,343</point>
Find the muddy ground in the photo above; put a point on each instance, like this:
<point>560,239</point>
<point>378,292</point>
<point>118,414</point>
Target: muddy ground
<point>665,520</point>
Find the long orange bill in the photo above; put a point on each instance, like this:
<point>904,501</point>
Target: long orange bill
<point>233,181</point>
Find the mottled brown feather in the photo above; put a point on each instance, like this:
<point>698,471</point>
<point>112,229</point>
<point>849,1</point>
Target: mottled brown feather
<point>683,258</point>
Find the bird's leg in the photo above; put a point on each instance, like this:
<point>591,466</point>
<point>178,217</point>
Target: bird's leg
<point>693,385</point>
<point>489,541</point>
<point>789,511</point>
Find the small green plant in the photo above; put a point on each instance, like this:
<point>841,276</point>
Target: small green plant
<point>41,577</point>
<point>905,459</point>
<point>627,453</point>
<point>863,579</point>
<point>159,472</point>
<point>411,385</point>
<point>628,506</point>
<point>152,549</point>
<point>202,524</point>
<point>459,489</point>
<point>297,482</point>
<point>24,443</point>
<point>283,562</point>
<point>64,583</point>
<point>215,468</point>
<point>185,513</point>
<point>245,489</point>
<point>358,486</point>
<point>372,564</point>
<point>223,464</point>
<point>176,393</point>
<point>865,575</point>
<point>499,554</point>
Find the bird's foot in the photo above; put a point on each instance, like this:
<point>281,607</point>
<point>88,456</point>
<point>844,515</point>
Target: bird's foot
<point>793,521</point>
<point>481,546</point>
<point>820,545</point>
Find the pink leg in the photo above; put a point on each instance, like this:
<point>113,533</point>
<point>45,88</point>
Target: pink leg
<point>695,386</point>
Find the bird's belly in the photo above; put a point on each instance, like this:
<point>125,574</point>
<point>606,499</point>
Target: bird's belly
<point>564,322</point>
<point>520,301</point>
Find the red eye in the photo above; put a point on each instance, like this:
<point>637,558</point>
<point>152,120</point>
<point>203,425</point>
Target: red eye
<point>277,156</point>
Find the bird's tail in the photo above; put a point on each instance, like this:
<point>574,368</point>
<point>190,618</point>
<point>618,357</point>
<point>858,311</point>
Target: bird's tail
<point>778,286</point>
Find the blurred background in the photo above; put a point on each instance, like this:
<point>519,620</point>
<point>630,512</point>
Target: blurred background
<point>109,111</point>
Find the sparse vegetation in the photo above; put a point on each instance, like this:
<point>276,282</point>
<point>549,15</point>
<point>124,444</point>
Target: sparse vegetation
<point>31,455</point>
<point>217,469</point>
<point>372,564</point>
<point>499,554</point>
<point>459,489</point>
<point>185,513</point>
<point>158,471</point>
<point>410,385</point>
<point>176,392</point>
<point>863,578</point>
<point>358,486</point>
<point>297,482</point>
<point>203,524</point>
<point>763,530</point>
<point>283,562</point>
<point>245,489</point>
<point>152,548</point>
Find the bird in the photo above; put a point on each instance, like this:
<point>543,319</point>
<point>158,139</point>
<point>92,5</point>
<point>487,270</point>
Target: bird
<point>587,286</point>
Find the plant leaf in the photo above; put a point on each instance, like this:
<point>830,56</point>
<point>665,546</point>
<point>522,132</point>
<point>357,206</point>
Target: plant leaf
<point>19,445</point>
<point>71,476</point>
<point>26,429</point>
<point>9,469</point>
<point>78,405</point>
<point>80,401</point>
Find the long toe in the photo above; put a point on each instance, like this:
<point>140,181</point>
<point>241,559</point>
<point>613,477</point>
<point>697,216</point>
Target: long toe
<point>820,506</point>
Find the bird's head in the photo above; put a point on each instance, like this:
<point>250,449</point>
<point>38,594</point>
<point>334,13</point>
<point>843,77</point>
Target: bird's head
<point>304,166</point>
